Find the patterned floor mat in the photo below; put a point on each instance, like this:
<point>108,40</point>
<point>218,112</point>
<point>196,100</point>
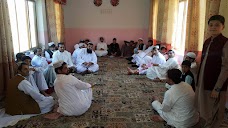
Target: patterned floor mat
<point>120,101</point>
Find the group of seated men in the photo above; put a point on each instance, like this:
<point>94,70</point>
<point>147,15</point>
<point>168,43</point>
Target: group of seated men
<point>177,108</point>
<point>36,74</point>
<point>75,96</point>
<point>83,60</point>
<point>155,63</point>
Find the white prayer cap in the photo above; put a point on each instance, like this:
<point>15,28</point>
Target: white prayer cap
<point>191,55</point>
<point>156,46</point>
<point>58,64</point>
<point>51,43</point>
<point>81,41</point>
<point>90,43</point>
<point>81,44</point>
<point>76,46</point>
<point>140,39</point>
<point>163,46</point>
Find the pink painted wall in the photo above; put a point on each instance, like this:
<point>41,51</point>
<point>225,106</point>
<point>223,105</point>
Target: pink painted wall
<point>73,35</point>
<point>127,21</point>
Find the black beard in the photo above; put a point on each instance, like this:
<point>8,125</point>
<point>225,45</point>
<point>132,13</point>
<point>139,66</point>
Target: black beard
<point>89,51</point>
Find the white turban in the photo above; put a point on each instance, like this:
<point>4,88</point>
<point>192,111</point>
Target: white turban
<point>156,46</point>
<point>90,43</point>
<point>50,44</point>
<point>140,39</point>
<point>191,55</point>
<point>163,46</point>
<point>76,46</point>
<point>81,44</point>
<point>58,64</point>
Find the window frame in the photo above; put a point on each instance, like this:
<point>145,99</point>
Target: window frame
<point>36,25</point>
<point>28,24</point>
<point>179,40</point>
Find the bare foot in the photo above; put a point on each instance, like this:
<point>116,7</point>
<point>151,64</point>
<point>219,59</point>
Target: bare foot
<point>130,72</point>
<point>157,118</point>
<point>89,72</point>
<point>85,72</point>
<point>55,108</point>
<point>156,80</point>
<point>52,116</point>
<point>136,72</point>
<point>154,98</point>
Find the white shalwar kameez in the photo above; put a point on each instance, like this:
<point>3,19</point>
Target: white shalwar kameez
<point>83,56</point>
<point>74,96</point>
<point>149,61</point>
<point>160,71</point>
<point>45,103</point>
<point>64,56</point>
<point>36,78</point>
<point>40,64</point>
<point>47,56</point>
<point>139,58</point>
<point>177,108</point>
<point>75,55</point>
<point>194,70</point>
<point>99,52</point>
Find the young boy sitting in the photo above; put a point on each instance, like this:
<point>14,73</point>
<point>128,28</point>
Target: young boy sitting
<point>187,75</point>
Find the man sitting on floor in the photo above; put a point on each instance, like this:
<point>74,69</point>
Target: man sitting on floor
<point>62,54</point>
<point>140,57</point>
<point>139,48</point>
<point>77,50</point>
<point>24,98</point>
<point>163,51</point>
<point>102,48</point>
<point>191,56</point>
<point>74,96</point>
<point>49,52</point>
<point>19,56</point>
<point>187,75</point>
<point>114,49</point>
<point>127,49</point>
<point>87,60</point>
<point>177,108</point>
<point>36,77</point>
<point>41,64</point>
<point>156,59</point>
<point>159,71</point>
